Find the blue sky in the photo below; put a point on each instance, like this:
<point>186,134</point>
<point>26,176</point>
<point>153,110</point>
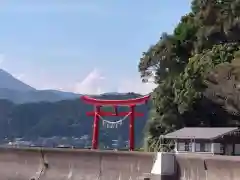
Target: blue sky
<point>85,46</point>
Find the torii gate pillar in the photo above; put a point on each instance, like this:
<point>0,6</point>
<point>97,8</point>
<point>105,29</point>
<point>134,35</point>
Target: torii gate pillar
<point>131,129</point>
<point>95,128</point>
<point>131,103</point>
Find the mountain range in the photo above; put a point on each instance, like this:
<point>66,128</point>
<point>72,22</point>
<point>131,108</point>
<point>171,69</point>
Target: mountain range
<point>30,113</point>
<point>19,93</point>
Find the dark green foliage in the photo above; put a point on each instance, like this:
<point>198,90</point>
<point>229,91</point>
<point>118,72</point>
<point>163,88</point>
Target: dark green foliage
<point>190,92</point>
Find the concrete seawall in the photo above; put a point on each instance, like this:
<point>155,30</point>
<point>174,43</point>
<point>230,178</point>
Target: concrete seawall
<point>208,167</point>
<point>63,164</point>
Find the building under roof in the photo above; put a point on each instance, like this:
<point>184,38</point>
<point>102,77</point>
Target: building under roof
<point>214,140</point>
<point>209,133</point>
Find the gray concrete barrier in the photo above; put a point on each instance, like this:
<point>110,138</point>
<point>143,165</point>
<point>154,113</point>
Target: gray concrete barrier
<point>220,168</point>
<point>19,164</point>
<point>191,167</point>
<point>208,167</point>
<point>63,164</point>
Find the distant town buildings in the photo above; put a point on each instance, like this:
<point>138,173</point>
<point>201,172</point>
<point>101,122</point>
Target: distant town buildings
<point>63,142</point>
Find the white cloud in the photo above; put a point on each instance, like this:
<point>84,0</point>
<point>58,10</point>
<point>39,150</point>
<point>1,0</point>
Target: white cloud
<point>136,85</point>
<point>20,77</point>
<point>92,84</point>
<point>2,58</point>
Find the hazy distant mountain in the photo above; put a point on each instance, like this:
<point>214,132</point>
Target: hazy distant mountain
<point>114,93</point>
<point>67,95</point>
<point>7,81</point>
<point>21,97</point>
<point>18,92</point>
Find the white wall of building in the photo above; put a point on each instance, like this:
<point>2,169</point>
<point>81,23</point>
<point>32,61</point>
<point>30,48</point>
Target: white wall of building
<point>216,148</point>
<point>237,149</point>
<point>164,164</point>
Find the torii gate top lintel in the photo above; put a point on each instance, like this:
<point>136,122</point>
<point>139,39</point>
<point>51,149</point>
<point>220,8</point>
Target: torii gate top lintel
<point>125,102</point>
<point>98,103</point>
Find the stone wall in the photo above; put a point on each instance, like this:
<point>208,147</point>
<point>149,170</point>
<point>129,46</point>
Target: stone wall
<point>63,164</point>
<point>207,167</point>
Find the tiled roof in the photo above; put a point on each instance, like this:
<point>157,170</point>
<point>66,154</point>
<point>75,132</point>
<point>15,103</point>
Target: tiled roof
<point>200,133</point>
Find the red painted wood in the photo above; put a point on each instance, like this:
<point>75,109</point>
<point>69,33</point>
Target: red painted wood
<point>127,102</point>
<point>131,103</point>
<point>131,129</point>
<point>95,135</point>
<point>120,114</point>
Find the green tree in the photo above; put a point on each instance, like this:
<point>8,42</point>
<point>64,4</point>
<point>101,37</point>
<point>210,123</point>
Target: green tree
<point>183,65</point>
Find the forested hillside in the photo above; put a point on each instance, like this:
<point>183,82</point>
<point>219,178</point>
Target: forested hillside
<point>197,69</point>
<point>64,118</point>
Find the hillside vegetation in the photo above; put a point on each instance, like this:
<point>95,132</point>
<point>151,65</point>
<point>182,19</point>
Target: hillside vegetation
<point>197,69</point>
<point>64,119</point>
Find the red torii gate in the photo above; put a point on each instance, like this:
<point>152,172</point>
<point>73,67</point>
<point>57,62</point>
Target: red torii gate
<point>131,103</point>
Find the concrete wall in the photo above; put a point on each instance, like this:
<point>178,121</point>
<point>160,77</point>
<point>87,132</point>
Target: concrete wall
<point>63,164</point>
<point>208,167</point>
